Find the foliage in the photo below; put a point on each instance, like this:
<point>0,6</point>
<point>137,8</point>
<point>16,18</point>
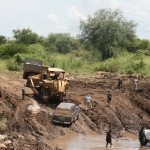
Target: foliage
<point>62,43</point>
<point>69,54</point>
<point>18,59</point>
<point>36,48</point>
<point>3,66</point>
<point>127,63</point>
<point>10,49</point>
<point>144,44</point>
<point>137,44</point>
<point>25,36</point>
<point>107,31</point>
<point>12,65</point>
<point>3,39</point>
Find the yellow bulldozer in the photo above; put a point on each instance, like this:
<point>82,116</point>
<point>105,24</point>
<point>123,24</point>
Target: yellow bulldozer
<point>49,84</point>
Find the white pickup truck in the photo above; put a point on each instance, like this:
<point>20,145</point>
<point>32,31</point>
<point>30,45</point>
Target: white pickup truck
<point>147,136</point>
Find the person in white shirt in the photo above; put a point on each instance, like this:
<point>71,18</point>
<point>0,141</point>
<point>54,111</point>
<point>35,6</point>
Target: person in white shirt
<point>88,101</point>
<point>136,81</point>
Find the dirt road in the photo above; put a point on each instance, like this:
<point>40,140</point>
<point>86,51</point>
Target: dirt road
<point>29,122</point>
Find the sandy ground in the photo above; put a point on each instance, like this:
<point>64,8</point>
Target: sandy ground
<point>29,121</point>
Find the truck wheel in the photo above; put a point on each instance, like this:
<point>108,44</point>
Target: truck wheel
<point>144,142</point>
<point>44,95</point>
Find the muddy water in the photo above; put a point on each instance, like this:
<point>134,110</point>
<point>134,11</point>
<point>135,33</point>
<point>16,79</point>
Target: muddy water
<point>94,142</point>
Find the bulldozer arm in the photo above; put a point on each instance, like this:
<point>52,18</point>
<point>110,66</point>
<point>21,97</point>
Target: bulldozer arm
<point>33,82</point>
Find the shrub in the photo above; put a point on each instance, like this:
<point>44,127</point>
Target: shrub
<point>10,49</point>
<point>13,66</point>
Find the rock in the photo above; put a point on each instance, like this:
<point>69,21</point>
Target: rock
<point>7,142</point>
<point>2,145</point>
<point>3,137</point>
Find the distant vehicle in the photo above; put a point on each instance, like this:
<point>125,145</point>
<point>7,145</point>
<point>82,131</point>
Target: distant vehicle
<point>147,136</point>
<point>66,113</point>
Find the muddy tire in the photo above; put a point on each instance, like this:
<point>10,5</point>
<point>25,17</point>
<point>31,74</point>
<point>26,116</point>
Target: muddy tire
<point>144,142</point>
<point>44,95</point>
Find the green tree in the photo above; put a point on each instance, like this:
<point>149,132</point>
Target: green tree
<point>107,31</point>
<point>25,36</point>
<point>3,39</point>
<point>62,43</point>
<point>145,44</point>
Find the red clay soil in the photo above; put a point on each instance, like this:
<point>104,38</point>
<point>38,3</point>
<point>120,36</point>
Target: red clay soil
<point>128,110</point>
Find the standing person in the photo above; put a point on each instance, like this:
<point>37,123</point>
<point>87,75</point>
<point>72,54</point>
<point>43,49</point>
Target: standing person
<point>119,83</point>
<point>141,136</point>
<point>88,101</point>
<point>109,97</point>
<point>23,91</point>
<point>136,81</point>
<point>108,138</point>
<point>53,65</point>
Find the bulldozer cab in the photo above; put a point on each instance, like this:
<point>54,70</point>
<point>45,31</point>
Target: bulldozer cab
<point>55,74</point>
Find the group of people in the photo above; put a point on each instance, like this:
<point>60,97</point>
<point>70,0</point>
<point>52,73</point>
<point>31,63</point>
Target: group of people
<point>109,99</point>
<point>109,96</point>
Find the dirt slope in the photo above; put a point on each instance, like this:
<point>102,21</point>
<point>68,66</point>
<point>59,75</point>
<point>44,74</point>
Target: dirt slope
<point>28,129</point>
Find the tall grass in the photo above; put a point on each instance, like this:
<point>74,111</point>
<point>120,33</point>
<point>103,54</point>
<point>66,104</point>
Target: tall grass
<point>126,64</point>
<point>81,61</point>
<point>69,62</point>
<point>3,65</point>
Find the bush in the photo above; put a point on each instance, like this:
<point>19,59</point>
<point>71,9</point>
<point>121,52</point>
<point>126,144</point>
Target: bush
<point>10,49</point>
<point>18,59</point>
<point>3,65</point>
<point>13,66</point>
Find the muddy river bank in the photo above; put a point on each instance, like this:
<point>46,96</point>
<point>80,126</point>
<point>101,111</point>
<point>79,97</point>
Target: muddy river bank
<point>96,142</point>
<point>28,123</point>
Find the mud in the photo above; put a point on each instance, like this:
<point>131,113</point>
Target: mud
<point>29,122</point>
<point>94,142</point>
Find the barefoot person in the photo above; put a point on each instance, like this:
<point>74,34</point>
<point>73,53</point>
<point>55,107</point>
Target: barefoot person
<point>119,84</point>
<point>109,97</point>
<point>23,91</point>
<point>141,136</point>
<point>108,138</point>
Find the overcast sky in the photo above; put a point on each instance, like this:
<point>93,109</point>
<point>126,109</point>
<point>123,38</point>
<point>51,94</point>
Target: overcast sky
<point>63,16</point>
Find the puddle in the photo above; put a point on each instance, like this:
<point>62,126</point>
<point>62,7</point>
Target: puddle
<point>93,142</point>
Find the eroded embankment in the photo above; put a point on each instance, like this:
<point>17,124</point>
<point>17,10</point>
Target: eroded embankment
<point>29,122</point>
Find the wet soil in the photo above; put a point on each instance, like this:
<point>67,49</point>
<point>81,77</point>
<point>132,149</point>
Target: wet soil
<point>29,121</point>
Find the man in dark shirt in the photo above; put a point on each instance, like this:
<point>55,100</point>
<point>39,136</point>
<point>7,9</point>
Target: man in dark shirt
<point>108,138</point>
<point>109,97</point>
<point>119,83</point>
<point>141,136</point>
